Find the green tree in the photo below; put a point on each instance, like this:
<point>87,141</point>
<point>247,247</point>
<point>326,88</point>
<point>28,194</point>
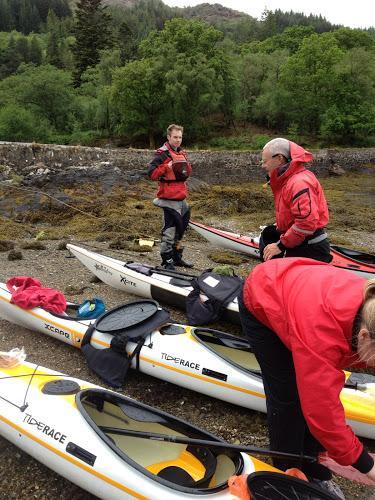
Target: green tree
<point>350,117</point>
<point>138,95</point>
<point>290,40</point>
<point>21,124</point>
<point>44,90</point>
<point>53,53</point>
<point>28,17</point>
<point>93,34</point>
<point>6,18</point>
<point>309,81</point>
<point>195,72</point>
<point>95,90</point>
<point>11,58</point>
<point>35,51</point>
<point>354,38</point>
<point>262,99</point>
<point>126,41</point>
<point>22,47</point>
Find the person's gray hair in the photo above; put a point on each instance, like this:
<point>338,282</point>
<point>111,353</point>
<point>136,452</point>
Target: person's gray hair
<point>278,146</point>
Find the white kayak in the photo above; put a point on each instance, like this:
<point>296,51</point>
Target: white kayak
<point>210,362</point>
<point>110,445</point>
<point>158,285</point>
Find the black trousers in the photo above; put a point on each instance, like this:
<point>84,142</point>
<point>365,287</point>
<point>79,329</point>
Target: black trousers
<point>173,229</point>
<point>287,428</point>
<point>317,251</point>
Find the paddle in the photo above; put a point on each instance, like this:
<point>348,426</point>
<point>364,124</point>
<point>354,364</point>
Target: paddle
<point>361,387</point>
<point>173,274</point>
<point>204,442</point>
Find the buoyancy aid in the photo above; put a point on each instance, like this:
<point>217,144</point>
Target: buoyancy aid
<point>171,173</point>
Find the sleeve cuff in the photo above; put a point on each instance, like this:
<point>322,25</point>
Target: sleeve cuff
<point>281,246</point>
<point>364,463</point>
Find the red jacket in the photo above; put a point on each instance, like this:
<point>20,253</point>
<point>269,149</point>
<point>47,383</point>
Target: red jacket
<point>301,207</point>
<point>28,293</point>
<point>311,307</point>
<point>165,168</point>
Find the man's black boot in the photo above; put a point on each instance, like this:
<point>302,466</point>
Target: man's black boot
<point>168,261</point>
<point>178,260</point>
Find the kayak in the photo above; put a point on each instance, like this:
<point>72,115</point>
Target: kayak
<point>100,440</point>
<point>116,447</point>
<point>169,287</point>
<point>207,361</point>
<point>360,262</point>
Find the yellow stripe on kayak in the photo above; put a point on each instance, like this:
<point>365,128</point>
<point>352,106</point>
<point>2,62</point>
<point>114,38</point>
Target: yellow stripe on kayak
<point>73,460</point>
<point>55,323</point>
<point>202,377</point>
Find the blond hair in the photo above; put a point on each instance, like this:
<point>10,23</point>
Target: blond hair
<point>366,350</point>
<point>173,126</point>
<point>368,312</point>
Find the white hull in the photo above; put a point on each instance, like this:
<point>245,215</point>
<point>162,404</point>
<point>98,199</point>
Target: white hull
<point>188,359</point>
<point>157,286</point>
<point>228,240</point>
<point>53,431</point>
<point>181,359</point>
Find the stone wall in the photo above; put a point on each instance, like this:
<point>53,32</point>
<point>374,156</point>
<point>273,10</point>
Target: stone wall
<point>51,164</point>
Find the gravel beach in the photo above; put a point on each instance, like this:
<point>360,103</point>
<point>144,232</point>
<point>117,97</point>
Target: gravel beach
<point>21,477</point>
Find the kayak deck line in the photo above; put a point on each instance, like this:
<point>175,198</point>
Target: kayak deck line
<point>71,459</point>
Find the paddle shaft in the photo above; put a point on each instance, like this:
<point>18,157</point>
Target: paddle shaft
<point>203,442</point>
<point>356,386</point>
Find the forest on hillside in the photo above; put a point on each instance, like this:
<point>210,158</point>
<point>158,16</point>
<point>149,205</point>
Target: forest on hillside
<point>86,73</point>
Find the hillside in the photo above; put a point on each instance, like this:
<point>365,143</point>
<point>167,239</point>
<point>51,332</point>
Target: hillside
<point>212,13</point>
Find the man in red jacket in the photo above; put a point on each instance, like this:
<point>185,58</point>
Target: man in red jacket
<point>301,207</point>
<point>171,168</point>
<point>306,321</point>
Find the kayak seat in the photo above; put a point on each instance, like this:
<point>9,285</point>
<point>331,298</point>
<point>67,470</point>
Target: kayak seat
<point>194,468</point>
<point>177,475</point>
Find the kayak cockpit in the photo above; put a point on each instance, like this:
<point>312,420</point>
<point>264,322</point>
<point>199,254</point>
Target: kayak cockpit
<point>234,349</point>
<point>360,257</point>
<point>141,435</point>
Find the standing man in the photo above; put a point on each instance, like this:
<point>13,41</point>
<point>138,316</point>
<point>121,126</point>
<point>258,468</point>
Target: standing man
<point>171,168</point>
<point>301,207</point>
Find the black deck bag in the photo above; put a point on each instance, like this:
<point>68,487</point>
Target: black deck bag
<point>130,322</point>
<point>219,289</point>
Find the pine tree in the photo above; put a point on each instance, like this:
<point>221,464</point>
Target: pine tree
<point>35,51</point>
<point>11,59</point>
<point>29,19</point>
<point>22,47</point>
<point>53,55</point>
<point>126,42</point>
<point>6,21</point>
<point>93,34</point>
